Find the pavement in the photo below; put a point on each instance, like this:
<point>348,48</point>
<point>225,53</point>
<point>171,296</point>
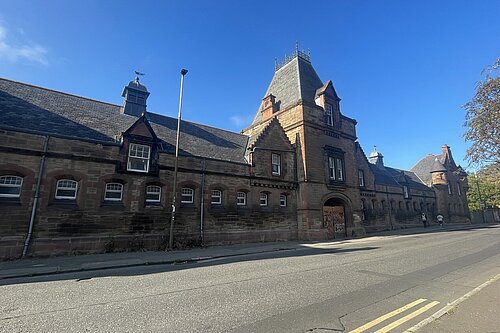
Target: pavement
<point>481,310</point>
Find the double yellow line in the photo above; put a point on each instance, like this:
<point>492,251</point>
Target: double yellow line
<point>394,313</point>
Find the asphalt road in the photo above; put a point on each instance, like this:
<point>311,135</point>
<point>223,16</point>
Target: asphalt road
<point>325,287</point>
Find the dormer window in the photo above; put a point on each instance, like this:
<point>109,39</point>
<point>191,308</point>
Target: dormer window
<point>138,158</point>
<point>329,115</point>
<point>405,192</point>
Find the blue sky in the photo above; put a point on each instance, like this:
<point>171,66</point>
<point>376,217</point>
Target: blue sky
<point>402,68</point>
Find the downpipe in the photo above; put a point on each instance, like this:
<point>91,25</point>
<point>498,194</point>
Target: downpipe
<point>37,195</point>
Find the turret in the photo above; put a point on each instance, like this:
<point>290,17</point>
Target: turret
<point>438,172</point>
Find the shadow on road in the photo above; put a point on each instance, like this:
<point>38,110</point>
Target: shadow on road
<point>183,264</point>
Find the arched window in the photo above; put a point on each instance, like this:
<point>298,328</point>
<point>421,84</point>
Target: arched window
<point>216,197</point>
<point>10,186</point>
<point>241,199</point>
<point>283,200</point>
<point>187,195</point>
<point>66,189</point>
<point>114,192</point>
<point>263,199</point>
<point>153,193</point>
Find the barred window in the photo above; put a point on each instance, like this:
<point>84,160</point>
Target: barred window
<point>113,192</point>
<point>153,193</point>
<point>10,186</point>
<point>138,158</point>
<point>66,189</point>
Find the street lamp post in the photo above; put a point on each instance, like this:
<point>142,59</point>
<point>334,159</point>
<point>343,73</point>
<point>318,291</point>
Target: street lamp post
<point>176,163</point>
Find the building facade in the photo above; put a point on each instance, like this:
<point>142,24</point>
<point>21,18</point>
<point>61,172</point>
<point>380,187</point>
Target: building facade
<point>83,176</point>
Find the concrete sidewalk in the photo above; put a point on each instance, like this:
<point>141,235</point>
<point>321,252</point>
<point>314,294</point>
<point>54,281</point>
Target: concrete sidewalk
<point>479,313</point>
<point>43,266</point>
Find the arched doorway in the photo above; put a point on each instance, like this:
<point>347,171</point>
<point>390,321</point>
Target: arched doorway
<point>334,218</point>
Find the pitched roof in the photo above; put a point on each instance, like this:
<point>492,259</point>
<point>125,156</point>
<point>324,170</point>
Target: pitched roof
<point>423,167</point>
<point>31,108</point>
<point>295,81</point>
<point>393,177</point>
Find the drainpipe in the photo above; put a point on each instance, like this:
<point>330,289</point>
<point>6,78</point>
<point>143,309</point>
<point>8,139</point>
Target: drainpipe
<point>37,195</point>
<point>202,205</point>
<point>389,206</point>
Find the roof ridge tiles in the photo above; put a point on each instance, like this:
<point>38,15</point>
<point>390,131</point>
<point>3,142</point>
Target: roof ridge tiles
<point>60,92</point>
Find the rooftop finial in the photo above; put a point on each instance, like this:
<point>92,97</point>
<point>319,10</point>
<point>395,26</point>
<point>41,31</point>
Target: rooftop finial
<point>296,53</point>
<point>137,74</point>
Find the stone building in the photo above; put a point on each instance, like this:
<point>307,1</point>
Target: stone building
<point>81,176</point>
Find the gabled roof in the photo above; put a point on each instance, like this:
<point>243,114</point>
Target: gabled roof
<point>272,126</point>
<point>30,108</point>
<point>423,167</point>
<point>295,81</point>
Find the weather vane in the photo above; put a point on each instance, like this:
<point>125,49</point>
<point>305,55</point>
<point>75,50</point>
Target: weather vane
<point>137,73</point>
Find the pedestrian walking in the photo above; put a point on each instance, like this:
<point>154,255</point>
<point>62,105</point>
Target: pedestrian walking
<point>440,220</point>
<point>424,220</point>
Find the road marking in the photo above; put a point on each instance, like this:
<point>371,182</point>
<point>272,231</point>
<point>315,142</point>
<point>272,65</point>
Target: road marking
<point>387,316</point>
<point>451,305</point>
<point>407,317</point>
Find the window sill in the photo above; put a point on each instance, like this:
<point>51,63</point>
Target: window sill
<point>64,204</point>
<point>153,205</point>
<point>112,204</point>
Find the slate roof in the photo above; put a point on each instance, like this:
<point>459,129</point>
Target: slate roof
<point>296,81</point>
<point>424,166</point>
<point>30,108</point>
<point>391,177</point>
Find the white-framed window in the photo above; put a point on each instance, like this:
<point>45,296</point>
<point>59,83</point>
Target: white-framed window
<point>10,186</point>
<point>241,199</point>
<point>283,200</point>
<point>459,190</point>
<point>405,192</point>
<point>363,209</point>
<point>449,189</point>
<point>153,193</point>
<point>66,189</point>
<point>187,195</point>
<point>263,199</point>
<point>340,169</point>
<point>329,114</point>
<point>361,178</point>
<point>138,157</point>
<point>114,192</point>
<point>331,168</point>
<point>216,197</point>
<point>276,162</point>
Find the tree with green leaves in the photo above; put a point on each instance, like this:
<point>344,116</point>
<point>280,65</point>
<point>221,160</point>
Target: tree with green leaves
<point>484,187</point>
<point>483,119</point>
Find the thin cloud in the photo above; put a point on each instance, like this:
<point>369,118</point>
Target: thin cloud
<point>31,52</point>
<point>240,121</point>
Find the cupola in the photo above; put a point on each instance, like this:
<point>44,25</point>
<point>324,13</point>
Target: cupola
<point>376,158</point>
<point>135,95</point>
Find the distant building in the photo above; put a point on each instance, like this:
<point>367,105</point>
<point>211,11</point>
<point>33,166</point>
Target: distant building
<point>90,176</point>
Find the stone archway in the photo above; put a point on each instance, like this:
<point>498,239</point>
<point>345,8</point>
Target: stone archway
<point>334,218</point>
